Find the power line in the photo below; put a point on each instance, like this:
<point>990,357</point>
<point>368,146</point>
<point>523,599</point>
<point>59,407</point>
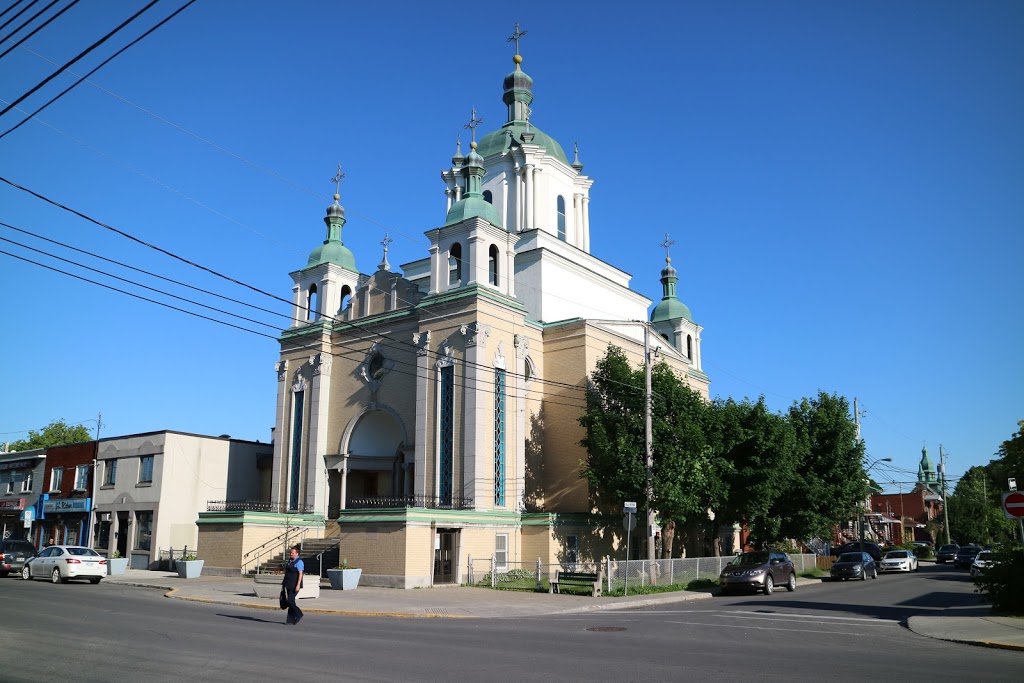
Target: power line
<point>30,20</point>
<point>4,25</point>
<point>101,65</point>
<point>81,54</point>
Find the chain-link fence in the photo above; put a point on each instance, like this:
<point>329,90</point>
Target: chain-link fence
<point>617,576</point>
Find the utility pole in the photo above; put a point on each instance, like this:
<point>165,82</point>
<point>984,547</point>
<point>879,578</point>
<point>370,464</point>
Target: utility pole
<point>94,517</point>
<point>649,455</point>
<point>945,508</point>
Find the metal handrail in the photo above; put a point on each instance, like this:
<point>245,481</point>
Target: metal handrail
<point>320,557</point>
<point>280,537</point>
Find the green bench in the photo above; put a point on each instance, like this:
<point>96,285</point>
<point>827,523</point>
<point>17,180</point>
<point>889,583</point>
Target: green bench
<point>591,580</point>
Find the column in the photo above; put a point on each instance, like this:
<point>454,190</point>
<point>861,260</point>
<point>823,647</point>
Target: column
<point>586,224</point>
<point>424,412</point>
<point>577,219</point>
<point>534,214</point>
<point>320,400</point>
<point>478,450</point>
<point>528,204</point>
<point>280,437</point>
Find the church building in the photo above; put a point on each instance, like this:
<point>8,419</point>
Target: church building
<point>431,411</point>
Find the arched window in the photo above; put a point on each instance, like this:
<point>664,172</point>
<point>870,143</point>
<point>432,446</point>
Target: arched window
<point>488,197</point>
<point>561,218</point>
<point>689,347</point>
<point>492,265</point>
<point>455,264</point>
<point>311,303</point>
<point>346,298</point>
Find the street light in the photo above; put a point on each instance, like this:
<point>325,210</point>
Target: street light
<point>860,515</point>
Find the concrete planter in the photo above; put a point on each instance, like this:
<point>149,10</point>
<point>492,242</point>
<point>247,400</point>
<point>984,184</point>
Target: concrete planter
<point>189,569</point>
<point>344,579</point>
<point>116,565</point>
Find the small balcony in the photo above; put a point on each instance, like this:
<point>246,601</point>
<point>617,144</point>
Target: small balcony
<point>257,506</point>
<point>428,502</point>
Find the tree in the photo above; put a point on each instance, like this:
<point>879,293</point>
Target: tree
<point>683,474</point>
<point>760,454</point>
<point>831,481</point>
<point>57,433</point>
<point>1010,461</point>
<point>974,512</point>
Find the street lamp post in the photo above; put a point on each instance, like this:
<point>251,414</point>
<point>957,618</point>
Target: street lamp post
<point>860,517</point>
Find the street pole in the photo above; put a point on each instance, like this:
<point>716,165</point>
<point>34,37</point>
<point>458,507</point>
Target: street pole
<point>649,455</point>
<point>94,517</point>
<point>945,508</point>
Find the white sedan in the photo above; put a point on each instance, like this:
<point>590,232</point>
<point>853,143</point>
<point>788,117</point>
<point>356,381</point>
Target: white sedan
<point>60,563</point>
<point>899,561</point>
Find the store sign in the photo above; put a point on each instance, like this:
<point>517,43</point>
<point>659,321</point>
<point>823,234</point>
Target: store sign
<point>66,505</point>
<point>12,504</point>
<point>22,464</point>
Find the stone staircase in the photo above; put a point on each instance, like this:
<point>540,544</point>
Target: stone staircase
<point>311,548</point>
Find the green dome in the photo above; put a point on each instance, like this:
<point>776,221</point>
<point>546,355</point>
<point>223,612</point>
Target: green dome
<point>470,206</point>
<point>670,309</point>
<point>332,251</point>
<point>507,136</point>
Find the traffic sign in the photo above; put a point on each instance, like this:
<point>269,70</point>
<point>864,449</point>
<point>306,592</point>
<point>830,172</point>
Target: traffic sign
<point>629,521</point>
<point>1013,505</point>
<point>629,506</point>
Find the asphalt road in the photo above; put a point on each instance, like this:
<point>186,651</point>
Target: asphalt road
<point>837,631</point>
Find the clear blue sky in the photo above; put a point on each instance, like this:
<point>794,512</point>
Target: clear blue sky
<point>844,183</point>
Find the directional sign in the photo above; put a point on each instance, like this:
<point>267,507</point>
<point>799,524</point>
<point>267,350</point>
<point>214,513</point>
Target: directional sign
<point>1013,505</point>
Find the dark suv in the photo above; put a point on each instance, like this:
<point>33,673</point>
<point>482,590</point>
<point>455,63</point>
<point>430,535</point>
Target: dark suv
<point>965,556</point>
<point>870,548</point>
<point>13,555</point>
<point>947,553</point>
<point>760,570</point>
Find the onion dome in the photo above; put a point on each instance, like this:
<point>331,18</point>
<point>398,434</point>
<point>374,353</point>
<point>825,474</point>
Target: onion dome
<point>333,250</point>
<point>473,202</point>
<point>670,307</point>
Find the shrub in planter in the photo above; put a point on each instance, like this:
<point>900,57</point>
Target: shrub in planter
<point>116,565</point>
<point>189,566</point>
<point>344,577</point>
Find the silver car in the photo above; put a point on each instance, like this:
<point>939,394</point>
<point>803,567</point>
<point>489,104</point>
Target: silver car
<point>899,561</point>
<point>61,563</point>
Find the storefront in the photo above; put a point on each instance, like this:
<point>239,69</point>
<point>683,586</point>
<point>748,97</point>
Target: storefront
<point>12,524</point>
<point>64,521</point>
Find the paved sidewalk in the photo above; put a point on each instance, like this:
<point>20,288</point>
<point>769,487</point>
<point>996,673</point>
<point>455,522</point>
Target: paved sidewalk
<point>462,602</point>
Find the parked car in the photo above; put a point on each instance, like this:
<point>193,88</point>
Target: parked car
<point>870,548</point>
<point>983,560</point>
<point>13,555</point>
<point>947,553</point>
<point>965,556</point>
<point>855,565</point>
<point>899,561</point>
<point>758,571</point>
<point>62,563</point>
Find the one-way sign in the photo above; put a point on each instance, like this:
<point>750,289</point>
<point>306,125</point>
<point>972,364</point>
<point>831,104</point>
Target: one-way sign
<point>1013,505</point>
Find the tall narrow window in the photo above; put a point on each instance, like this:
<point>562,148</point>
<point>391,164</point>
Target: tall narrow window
<point>56,474</point>
<point>293,495</point>
<point>455,264</point>
<point>311,303</point>
<point>346,298</point>
<point>146,469</point>
<point>143,530</point>
<point>81,477</point>
<point>499,437</point>
<point>501,552</point>
<point>447,454</point>
<point>26,484</point>
<point>110,473</point>
<point>488,197</point>
<point>492,265</point>
<point>689,347</point>
<point>561,218</point>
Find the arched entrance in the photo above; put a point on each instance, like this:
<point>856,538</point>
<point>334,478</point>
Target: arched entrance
<point>373,471</point>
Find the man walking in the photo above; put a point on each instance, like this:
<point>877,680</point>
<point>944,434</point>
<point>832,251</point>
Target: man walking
<point>292,584</point>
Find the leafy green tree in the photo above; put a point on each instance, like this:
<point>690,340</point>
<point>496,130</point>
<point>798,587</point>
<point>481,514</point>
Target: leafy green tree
<point>1010,460</point>
<point>684,475</point>
<point>57,433</point>
<point>974,511</point>
<point>759,450</point>
<point>832,480</point>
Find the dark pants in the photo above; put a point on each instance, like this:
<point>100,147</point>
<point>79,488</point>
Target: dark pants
<point>294,613</point>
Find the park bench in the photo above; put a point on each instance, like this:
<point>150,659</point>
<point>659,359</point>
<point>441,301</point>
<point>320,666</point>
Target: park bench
<point>591,580</point>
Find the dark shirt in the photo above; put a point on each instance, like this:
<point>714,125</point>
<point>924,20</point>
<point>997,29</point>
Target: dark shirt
<point>291,574</point>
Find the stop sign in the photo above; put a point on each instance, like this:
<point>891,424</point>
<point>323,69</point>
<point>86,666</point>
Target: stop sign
<point>1013,504</point>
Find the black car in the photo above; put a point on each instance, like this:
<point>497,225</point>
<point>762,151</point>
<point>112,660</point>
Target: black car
<point>870,548</point>
<point>13,555</point>
<point>854,565</point>
<point>947,553</point>
<point>965,556</point>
